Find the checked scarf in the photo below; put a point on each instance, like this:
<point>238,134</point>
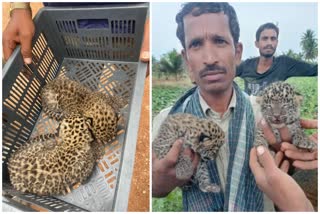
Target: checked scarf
<point>241,191</point>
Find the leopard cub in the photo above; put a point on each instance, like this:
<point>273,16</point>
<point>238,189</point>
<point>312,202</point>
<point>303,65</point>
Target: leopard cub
<point>62,97</point>
<point>50,164</point>
<point>280,106</point>
<point>202,136</point>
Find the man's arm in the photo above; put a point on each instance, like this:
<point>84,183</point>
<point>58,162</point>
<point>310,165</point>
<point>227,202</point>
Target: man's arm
<point>164,172</point>
<point>19,30</point>
<point>299,68</point>
<point>276,184</point>
<point>303,159</point>
<point>270,174</point>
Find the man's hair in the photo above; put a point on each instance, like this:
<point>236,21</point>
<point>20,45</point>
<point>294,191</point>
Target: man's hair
<point>208,7</point>
<point>268,25</point>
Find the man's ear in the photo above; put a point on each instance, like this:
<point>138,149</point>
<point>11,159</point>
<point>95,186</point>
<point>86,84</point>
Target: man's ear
<point>186,62</point>
<point>256,43</point>
<point>239,49</point>
<point>184,55</point>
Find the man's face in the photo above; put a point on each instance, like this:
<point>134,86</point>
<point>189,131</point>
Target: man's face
<point>210,54</point>
<point>267,43</point>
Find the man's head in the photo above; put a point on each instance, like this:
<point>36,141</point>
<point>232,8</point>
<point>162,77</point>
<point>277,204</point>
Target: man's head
<point>267,39</point>
<point>209,34</point>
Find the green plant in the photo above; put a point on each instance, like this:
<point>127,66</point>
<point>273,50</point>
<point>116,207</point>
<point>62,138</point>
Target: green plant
<point>172,203</point>
<point>309,45</point>
<point>165,96</point>
<point>171,63</point>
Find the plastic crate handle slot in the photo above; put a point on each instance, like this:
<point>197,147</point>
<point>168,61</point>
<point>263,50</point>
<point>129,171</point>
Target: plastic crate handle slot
<point>92,23</point>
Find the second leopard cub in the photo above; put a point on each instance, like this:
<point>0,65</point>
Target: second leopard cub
<point>280,106</point>
<point>203,136</point>
<point>62,97</point>
<point>50,164</point>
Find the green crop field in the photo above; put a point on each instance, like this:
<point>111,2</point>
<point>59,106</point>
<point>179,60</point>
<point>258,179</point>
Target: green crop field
<point>165,95</point>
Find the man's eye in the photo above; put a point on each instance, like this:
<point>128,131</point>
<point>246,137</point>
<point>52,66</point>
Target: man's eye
<point>195,44</point>
<point>220,41</point>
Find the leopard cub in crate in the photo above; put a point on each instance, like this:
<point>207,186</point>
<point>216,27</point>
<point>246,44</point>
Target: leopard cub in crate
<point>51,164</point>
<point>202,136</point>
<point>62,97</point>
<point>280,106</point>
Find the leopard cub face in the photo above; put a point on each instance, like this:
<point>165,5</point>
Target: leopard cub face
<point>280,104</point>
<point>62,97</point>
<point>206,139</point>
<point>203,136</point>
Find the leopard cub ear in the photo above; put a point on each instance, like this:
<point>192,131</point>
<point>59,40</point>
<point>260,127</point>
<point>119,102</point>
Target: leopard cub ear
<point>89,121</point>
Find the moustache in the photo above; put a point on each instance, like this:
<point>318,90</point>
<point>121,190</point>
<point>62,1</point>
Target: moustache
<point>212,69</point>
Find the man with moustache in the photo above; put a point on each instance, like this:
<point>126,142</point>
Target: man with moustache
<point>209,34</point>
<point>260,71</point>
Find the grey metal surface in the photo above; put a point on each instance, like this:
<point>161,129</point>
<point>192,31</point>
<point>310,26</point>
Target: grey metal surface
<point>115,73</point>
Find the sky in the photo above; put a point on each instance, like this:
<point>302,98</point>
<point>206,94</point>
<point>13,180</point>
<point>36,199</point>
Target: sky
<point>293,19</point>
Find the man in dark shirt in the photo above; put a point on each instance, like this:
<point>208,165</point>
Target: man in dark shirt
<point>260,71</point>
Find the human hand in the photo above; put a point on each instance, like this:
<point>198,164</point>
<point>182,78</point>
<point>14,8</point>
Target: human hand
<point>303,159</point>
<point>270,137</point>
<point>164,173</point>
<point>19,30</point>
<point>275,183</point>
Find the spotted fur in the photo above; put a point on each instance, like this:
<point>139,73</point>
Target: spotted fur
<point>280,106</point>
<point>104,117</point>
<point>62,97</point>
<point>51,164</point>
<point>203,136</point>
